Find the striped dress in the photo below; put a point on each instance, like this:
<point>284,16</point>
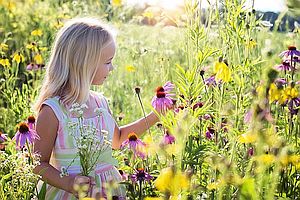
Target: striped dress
<point>65,150</point>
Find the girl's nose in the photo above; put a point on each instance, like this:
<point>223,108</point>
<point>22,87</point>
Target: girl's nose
<point>111,67</point>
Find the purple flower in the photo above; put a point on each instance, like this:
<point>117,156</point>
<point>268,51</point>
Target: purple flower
<point>280,82</point>
<point>210,133</point>
<point>3,137</point>
<point>197,105</point>
<point>168,138</point>
<point>248,116</point>
<point>134,144</point>
<point>292,50</point>
<point>124,175</point>
<point>32,66</point>
<point>162,101</point>
<point>25,134</point>
<point>207,116</point>
<point>293,105</point>
<point>250,151</point>
<point>31,122</point>
<point>284,66</point>
<point>168,86</point>
<point>140,175</point>
<point>211,81</point>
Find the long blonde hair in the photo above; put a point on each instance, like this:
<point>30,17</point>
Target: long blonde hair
<point>74,59</point>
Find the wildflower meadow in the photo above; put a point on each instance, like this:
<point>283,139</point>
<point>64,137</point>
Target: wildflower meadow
<point>224,82</point>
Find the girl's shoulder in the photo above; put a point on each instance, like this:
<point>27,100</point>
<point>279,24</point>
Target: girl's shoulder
<point>55,105</point>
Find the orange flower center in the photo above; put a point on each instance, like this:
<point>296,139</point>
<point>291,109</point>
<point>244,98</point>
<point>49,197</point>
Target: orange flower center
<point>292,48</point>
<point>160,94</point>
<point>132,137</point>
<point>31,119</point>
<point>23,127</point>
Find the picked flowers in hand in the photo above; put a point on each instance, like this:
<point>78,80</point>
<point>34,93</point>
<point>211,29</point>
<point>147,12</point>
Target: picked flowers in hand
<point>90,141</point>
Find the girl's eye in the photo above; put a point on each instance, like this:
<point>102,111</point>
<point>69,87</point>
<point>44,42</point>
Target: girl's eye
<point>108,63</point>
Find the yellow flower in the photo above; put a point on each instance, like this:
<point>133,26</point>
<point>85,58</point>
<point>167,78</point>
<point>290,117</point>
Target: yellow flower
<point>213,186</point>
<point>171,181</point>
<point>247,138</point>
<point>37,32</point>
<point>290,93</point>
<point>43,48</point>
<point>153,198</point>
<point>266,159</point>
<point>130,68</point>
<point>5,62</point>
<point>274,93</point>
<point>222,71</point>
<point>148,14</point>
<point>18,57</point>
<point>32,46</point>
<point>251,44</point>
<point>295,159</point>
<point>38,59</point>
<point>116,3</point>
<point>4,46</point>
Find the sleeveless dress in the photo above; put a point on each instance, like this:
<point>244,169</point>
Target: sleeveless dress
<point>65,150</point>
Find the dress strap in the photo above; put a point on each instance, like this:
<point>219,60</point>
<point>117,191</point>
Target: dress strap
<point>59,111</point>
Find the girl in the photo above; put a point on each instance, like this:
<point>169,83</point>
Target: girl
<point>81,56</point>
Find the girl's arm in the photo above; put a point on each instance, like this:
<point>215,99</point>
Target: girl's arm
<point>46,127</point>
<point>139,127</point>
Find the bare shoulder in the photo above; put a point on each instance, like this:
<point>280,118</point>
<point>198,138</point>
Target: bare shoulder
<point>46,127</point>
<point>47,117</point>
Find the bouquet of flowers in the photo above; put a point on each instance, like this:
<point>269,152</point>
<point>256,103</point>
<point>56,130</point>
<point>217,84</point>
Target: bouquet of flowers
<point>90,141</point>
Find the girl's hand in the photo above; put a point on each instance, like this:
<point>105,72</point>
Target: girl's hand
<point>82,186</point>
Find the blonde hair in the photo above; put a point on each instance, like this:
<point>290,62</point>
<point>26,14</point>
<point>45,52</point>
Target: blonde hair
<point>74,59</point>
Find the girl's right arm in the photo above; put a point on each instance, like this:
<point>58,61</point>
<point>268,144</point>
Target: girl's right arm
<point>46,127</point>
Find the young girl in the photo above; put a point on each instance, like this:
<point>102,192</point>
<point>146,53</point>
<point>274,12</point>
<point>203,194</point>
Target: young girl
<point>81,56</point>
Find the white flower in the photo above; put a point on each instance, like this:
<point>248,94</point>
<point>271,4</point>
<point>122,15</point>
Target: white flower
<point>99,111</point>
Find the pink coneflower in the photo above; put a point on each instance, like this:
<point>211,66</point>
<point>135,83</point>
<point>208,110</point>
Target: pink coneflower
<point>140,175</point>
<point>32,66</point>
<point>292,50</point>
<point>162,101</point>
<point>210,133</point>
<point>293,105</point>
<point>168,138</point>
<point>211,81</point>
<point>168,86</point>
<point>25,134</point>
<point>134,144</point>
<point>250,151</point>
<point>3,139</point>
<point>284,66</point>
<point>31,122</point>
<point>197,105</point>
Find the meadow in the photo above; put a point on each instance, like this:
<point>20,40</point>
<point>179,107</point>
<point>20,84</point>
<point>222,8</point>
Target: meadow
<point>235,127</point>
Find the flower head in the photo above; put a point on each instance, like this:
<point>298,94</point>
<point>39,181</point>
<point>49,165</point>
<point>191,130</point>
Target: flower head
<point>292,50</point>
<point>162,101</point>
<point>134,144</point>
<point>284,66</point>
<point>3,137</point>
<point>140,175</point>
<point>31,122</point>
<point>168,138</point>
<point>25,134</point>
<point>32,66</point>
<point>222,71</point>
<point>210,133</point>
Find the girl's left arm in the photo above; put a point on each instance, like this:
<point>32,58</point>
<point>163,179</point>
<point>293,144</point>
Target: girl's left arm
<point>138,127</point>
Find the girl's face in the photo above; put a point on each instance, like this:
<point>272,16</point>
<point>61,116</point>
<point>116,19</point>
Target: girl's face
<point>106,66</point>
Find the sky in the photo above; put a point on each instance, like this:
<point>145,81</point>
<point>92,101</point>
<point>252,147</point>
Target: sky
<point>262,5</point>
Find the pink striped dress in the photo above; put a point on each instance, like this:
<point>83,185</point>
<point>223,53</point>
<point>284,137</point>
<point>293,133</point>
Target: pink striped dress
<point>65,150</point>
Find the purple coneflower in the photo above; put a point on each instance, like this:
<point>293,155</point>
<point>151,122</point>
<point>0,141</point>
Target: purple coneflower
<point>211,81</point>
<point>292,50</point>
<point>284,66</point>
<point>168,138</point>
<point>250,151</point>
<point>31,122</point>
<point>293,105</point>
<point>124,175</point>
<point>32,66</point>
<point>197,105</point>
<point>140,175</point>
<point>134,144</point>
<point>162,101</point>
<point>168,86</point>
<point>210,133</point>
<point>3,139</point>
<point>25,134</point>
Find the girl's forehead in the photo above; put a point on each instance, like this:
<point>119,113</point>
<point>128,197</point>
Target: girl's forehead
<point>109,50</point>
